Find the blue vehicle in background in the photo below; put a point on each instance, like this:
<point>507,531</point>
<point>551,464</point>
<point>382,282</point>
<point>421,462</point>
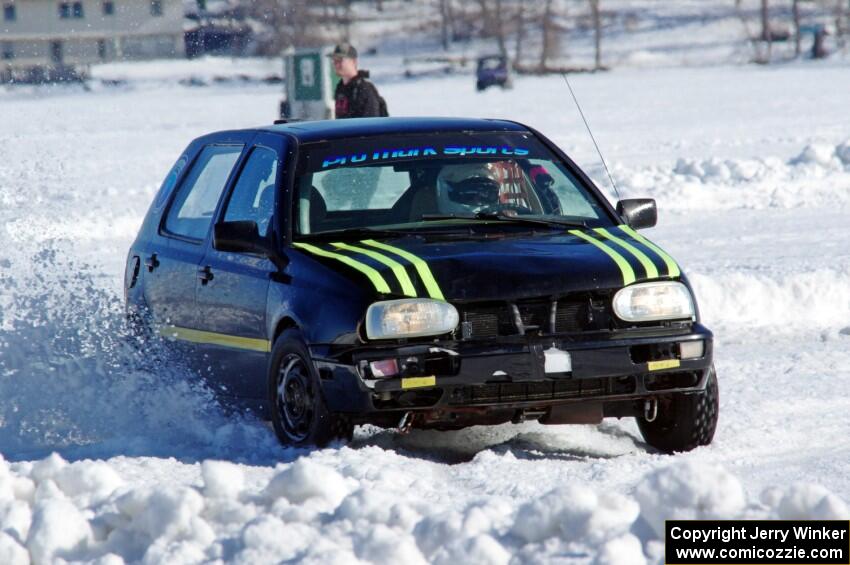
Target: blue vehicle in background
<point>418,272</point>
<point>492,70</point>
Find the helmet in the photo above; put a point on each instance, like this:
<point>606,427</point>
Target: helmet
<point>467,188</point>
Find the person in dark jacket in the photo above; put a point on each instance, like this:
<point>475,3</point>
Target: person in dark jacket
<point>355,96</point>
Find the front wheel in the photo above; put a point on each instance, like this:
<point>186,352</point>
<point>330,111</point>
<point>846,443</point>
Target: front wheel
<point>298,411</point>
<point>684,421</point>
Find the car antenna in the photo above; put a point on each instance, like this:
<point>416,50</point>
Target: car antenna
<point>604,164</point>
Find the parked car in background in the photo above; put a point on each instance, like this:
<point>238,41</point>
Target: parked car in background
<point>492,70</point>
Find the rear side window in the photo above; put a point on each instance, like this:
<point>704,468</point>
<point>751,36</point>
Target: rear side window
<point>169,182</point>
<point>253,195</point>
<point>191,212</point>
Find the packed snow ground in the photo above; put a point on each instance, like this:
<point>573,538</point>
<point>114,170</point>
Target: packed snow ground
<point>751,171</point>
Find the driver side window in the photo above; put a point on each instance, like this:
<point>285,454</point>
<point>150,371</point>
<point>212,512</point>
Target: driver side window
<point>253,195</point>
<point>571,199</point>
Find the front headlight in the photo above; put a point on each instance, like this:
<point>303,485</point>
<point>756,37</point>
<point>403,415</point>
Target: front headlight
<point>647,302</point>
<point>414,317</point>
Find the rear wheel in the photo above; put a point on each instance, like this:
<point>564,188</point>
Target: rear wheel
<point>299,414</point>
<point>683,421</point>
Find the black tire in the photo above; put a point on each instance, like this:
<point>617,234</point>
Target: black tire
<point>298,411</point>
<point>684,421</point>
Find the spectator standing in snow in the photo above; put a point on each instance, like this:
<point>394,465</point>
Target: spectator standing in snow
<point>355,97</point>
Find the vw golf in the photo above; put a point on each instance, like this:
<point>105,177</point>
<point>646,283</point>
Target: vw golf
<point>418,273</point>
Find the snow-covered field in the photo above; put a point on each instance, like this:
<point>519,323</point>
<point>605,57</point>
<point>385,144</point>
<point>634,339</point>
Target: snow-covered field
<point>751,167</point>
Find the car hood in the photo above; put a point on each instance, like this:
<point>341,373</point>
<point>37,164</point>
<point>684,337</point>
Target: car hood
<point>506,267</point>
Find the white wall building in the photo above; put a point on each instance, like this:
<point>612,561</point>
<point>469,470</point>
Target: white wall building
<point>53,34</point>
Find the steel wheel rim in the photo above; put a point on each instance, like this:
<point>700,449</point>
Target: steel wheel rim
<point>295,397</point>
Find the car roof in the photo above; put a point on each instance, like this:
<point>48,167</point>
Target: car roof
<point>357,127</point>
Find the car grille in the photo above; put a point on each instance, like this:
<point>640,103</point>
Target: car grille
<point>539,316</point>
<point>542,390</point>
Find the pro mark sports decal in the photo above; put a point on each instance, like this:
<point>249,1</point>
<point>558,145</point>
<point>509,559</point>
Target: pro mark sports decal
<point>385,155</point>
<point>635,256</point>
<point>390,269</point>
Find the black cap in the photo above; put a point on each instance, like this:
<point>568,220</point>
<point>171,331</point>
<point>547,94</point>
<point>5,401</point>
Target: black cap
<point>344,50</point>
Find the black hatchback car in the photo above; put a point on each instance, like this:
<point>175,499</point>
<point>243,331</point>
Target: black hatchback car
<point>429,273</point>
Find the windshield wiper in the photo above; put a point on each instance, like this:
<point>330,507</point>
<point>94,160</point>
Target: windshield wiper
<point>356,232</point>
<point>495,216</point>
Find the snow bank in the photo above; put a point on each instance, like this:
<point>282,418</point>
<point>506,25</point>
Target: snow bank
<point>201,71</point>
<point>787,301</point>
<point>312,512</point>
<point>818,176</point>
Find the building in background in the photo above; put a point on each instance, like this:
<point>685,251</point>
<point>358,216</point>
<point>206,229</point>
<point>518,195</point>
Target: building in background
<point>61,38</point>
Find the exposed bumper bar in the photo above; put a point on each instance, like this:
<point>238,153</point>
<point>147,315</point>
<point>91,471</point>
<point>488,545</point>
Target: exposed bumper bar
<point>515,371</point>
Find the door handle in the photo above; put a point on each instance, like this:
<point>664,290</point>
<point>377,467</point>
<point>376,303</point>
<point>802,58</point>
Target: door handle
<point>151,263</point>
<point>205,274</point>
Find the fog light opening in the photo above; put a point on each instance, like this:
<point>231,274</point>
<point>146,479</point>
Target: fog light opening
<point>384,368</point>
<point>691,349</point>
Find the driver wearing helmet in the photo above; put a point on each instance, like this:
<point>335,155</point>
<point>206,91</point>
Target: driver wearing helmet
<point>468,188</point>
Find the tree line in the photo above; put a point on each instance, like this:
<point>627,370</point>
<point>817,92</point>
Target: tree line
<point>535,34</point>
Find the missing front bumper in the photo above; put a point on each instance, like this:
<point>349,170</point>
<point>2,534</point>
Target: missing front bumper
<point>515,373</point>
<point>541,393</point>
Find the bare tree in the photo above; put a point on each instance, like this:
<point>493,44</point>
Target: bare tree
<point>842,21</point>
<point>752,38</point>
<point>286,18</point>
<point>520,34</point>
<point>765,27</point>
<point>492,17</point>
<point>597,33</point>
<point>550,46</point>
<point>795,11</point>
<point>487,25</point>
<point>500,28</point>
<point>445,20</point>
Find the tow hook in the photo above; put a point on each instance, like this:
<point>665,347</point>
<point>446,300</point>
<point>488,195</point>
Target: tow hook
<point>650,409</point>
<point>528,416</point>
<point>405,424</point>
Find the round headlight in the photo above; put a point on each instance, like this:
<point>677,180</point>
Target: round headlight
<point>414,317</point>
<point>647,302</point>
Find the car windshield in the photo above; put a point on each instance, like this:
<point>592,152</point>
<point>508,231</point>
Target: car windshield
<point>413,182</point>
<point>490,64</point>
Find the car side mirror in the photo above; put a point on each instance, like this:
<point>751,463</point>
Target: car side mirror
<point>638,213</point>
<point>240,237</point>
